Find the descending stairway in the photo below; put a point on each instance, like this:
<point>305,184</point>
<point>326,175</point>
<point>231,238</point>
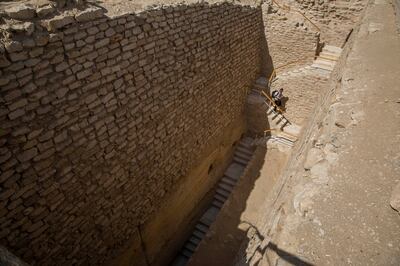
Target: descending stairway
<point>282,131</point>
<point>327,59</point>
<point>283,138</point>
<point>273,114</point>
<point>242,156</point>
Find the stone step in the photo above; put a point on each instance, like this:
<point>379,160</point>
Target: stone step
<point>222,193</point>
<point>328,54</point>
<point>217,204</point>
<point>209,216</point>
<point>332,49</point>
<point>287,138</point>
<point>243,155</point>
<point>198,233</point>
<point>194,240</point>
<point>186,253</point>
<point>293,130</point>
<point>225,187</point>
<point>234,171</point>
<point>327,57</point>
<point>325,62</point>
<point>220,198</point>
<point>229,181</point>
<point>243,151</point>
<point>240,161</point>
<point>180,260</point>
<point>284,141</point>
<point>322,66</point>
<point>284,124</point>
<point>190,246</point>
<point>270,111</point>
<point>201,227</point>
<point>248,144</point>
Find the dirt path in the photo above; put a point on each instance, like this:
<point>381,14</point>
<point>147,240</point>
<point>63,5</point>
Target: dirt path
<point>339,213</point>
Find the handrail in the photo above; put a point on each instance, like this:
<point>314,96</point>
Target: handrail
<point>273,103</point>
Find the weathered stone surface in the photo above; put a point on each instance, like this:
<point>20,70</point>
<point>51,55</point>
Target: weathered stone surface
<point>319,172</point>
<point>45,11</point>
<point>13,46</point>
<point>26,27</point>
<point>314,156</point>
<point>59,21</point>
<point>86,115</point>
<point>395,198</point>
<point>89,14</point>
<point>21,12</point>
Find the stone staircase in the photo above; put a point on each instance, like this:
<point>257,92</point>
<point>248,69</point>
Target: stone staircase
<point>242,155</point>
<point>282,130</point>
<point>283,138</point>
<point>327,59</point>
<point>275,118</point>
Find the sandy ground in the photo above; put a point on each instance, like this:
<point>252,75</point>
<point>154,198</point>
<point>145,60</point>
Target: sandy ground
<point>339,213</point>
<point>241,211</point>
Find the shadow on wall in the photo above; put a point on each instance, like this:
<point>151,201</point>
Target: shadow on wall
<point>96,152</point>
<point>267,64</point>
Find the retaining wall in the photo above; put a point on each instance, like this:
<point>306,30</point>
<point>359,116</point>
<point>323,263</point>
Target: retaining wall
<point>104,118</point>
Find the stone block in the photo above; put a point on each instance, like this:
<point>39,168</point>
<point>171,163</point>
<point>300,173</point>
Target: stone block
<point>59,22</point>
<point>21,12</point>
<point>89,14</point>
<point>27,155</point>
<point>44,11</point>
<point>13,46</point>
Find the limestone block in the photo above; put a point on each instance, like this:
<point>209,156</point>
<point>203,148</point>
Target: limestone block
<point>58,22</point>
<point>44,11</point>
<point>13,46</point>
<point>89,14</point>
<point>21,12</point>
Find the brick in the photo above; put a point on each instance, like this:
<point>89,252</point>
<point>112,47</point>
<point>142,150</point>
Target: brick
<point>27,155</point>
<point>84,74</point>
<point>15,114</point>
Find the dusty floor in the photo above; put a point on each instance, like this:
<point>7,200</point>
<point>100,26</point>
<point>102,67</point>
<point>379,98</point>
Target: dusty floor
<point>241,211</point>
<point>339,213</point>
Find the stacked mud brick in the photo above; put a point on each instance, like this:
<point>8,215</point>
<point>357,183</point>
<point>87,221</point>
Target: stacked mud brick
<point>290,42</point>
<point>101,116</point>
<point>335,18</point>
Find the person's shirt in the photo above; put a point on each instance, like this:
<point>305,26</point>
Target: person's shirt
<point>277,94</point>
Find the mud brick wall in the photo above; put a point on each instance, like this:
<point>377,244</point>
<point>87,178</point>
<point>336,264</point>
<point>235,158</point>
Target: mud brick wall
<point>335,18</point>
<point>101,116</point>
<point>289,40</point>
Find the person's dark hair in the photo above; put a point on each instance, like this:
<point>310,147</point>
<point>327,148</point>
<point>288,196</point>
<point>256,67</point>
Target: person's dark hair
<point>281,89</point>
